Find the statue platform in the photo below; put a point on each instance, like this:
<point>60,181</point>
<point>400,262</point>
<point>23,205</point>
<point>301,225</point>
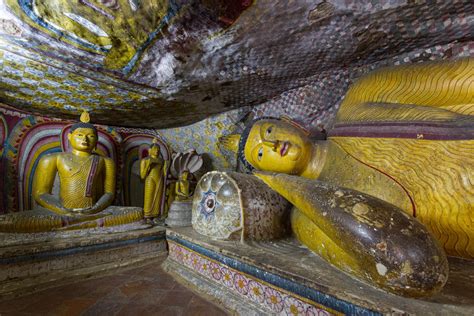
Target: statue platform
<point>33,261</point>
<point>284,276</point>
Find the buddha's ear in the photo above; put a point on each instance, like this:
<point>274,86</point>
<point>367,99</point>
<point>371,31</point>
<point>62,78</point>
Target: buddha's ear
<point>230,142</point>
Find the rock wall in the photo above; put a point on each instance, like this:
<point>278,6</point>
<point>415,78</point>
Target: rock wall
<point>168,63</point>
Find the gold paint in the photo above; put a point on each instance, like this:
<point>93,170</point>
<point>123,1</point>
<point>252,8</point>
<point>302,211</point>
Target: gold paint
<point>230,142</point>
<point>435,178</point>
<point>272,140</point>
<point>437,175</point>
<point>433,92</point>
<point>124,29</point>
<point>439,178</point>
<point>78,205</point>
<point>153,171</point>
<point>74,169</point>
<point>182,188</point>
<point>406,268</point>
<point>342,241</point>
<point>315,239</point>
<point>85,117</point>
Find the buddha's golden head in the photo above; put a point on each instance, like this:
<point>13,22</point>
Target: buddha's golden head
<point>154,149</point>
<point>272,144</point>
<point>83,135</point>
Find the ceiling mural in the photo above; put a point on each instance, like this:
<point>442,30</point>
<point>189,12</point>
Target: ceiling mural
<point>168,63</point>
<point>119,30</point>
<point>56,87</point>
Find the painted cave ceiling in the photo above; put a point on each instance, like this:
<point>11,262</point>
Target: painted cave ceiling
<point>165,63</point>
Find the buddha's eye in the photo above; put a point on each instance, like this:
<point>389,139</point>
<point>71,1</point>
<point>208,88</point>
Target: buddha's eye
<point>269,130</point>
<point>260,153</point>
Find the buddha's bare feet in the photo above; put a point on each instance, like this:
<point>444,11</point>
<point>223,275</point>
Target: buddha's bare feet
<point>147,221</point>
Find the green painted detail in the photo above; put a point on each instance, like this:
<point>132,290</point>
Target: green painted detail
<point>31,76</point>
<point>35,65</point>
<point>14,77</point>
<point>116,27</point>
<point>13,65</point>
<point>203,136</point>
<point>28,82</point>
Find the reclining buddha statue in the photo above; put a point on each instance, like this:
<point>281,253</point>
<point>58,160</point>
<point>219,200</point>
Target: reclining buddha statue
<point>403,139</point>
<point>86,189</point>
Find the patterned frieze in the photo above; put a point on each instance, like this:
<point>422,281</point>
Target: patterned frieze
<point>274,294</point>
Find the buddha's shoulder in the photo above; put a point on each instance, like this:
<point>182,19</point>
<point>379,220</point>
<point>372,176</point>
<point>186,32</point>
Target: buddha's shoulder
<point>61,155</point>
<point>50,157</point>
<point>106,160</point>
<point>68,156</point>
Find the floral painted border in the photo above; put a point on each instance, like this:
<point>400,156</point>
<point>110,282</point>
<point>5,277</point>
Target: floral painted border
<point>271,298</point>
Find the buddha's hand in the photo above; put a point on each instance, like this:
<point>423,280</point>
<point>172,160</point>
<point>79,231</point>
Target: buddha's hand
<point>369,238</point>
<point>99,206</point>
<point>88,210</point>
<point>66,211</point>
<point>85,213</point>
<point>82,210</point>
<point>52,203</point>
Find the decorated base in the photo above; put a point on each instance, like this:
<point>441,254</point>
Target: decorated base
<point>179,214</point>
<point>29,262</point>
<point>44,220</point>
<point>284,277</point>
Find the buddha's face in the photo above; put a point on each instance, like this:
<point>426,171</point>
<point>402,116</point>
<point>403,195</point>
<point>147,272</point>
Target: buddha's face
<point>83,139</point>
<point>274,145</point>
<point>154,151</point>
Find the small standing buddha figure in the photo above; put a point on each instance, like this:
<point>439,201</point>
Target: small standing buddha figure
<point>87,180</point>
<point>153,172</point>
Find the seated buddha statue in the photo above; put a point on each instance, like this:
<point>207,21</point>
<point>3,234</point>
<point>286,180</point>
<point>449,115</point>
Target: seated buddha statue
<point>87,180</point>
<point>86,189</point>
<point>403,136</point>
<point>183,190</point>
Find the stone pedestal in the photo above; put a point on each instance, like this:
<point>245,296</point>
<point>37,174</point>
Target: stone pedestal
<point>179,214</point>
<point>29,262</point>
<point>283,278</point>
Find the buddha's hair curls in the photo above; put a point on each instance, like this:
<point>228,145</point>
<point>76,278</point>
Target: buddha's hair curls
<point>83,125</point>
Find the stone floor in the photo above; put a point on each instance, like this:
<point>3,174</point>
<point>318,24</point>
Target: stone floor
<point>147,290</point>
